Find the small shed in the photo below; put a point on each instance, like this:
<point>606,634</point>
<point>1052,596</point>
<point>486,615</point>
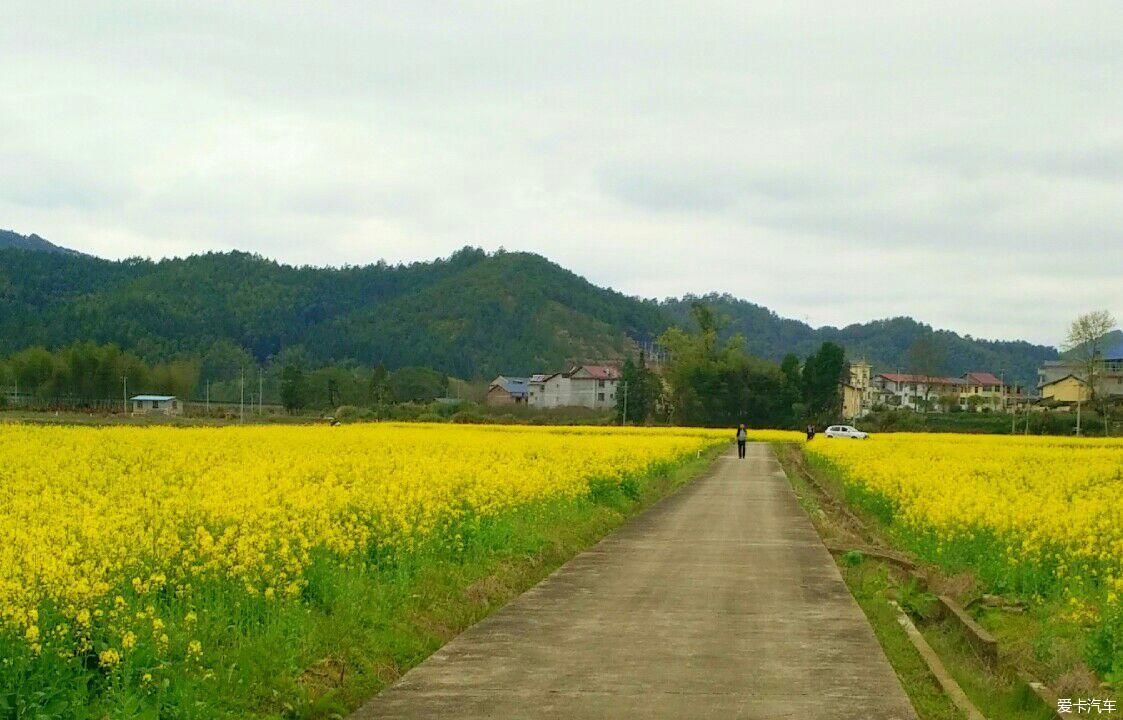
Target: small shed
<point>156,405</point>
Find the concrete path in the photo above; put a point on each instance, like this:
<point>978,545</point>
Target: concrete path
<point>719,602</point>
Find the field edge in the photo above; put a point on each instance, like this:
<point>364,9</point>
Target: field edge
<point>447,598</point>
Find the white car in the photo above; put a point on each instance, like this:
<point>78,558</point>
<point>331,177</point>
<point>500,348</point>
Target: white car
<point>846,431</point>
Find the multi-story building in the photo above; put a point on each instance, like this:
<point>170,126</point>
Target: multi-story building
<point>592,386</point>
<point>914,392</point>
<point>858,394</point>
<point>1067,380</point>
<point>1068,389</point>
<point>851,402</point>
<point>536,386</point>
<point>988,391</point>
<point>971,391</point>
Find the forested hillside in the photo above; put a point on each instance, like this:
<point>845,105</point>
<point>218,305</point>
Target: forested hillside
<point>472,314</point>
<point>884,343</point>
<point>9,239</point>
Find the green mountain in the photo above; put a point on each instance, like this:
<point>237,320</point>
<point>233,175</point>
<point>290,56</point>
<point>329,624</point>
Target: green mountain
<point>884,343</point>
<point>9,239</point>
<point>472,314</point>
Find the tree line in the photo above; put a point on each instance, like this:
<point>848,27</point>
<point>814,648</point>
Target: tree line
<point>92,375</point>
<point>470,315</point>
<point>711,380</point>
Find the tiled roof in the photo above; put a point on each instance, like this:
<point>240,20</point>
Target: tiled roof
<point>598,372</point>
<point>516,386</point>
<point>926,379</point>
<point>1062,379</point>
<point>983,378</point>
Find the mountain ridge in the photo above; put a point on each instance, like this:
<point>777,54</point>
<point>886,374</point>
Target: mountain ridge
<point>12,239</point>
<point>472,314</point>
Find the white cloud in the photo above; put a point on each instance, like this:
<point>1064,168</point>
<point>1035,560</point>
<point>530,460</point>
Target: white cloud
<point>959,162</point>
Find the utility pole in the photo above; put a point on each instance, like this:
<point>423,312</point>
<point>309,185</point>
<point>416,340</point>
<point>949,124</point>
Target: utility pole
<point>260,386</point>
<point>125,394</point>
<point>1002,396</point>
<point>208,398</point>
<point>242,397</point>
<point>1078,417</point>
<point>624,420</point>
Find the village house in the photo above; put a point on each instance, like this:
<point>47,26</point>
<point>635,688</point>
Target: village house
<point>972,391</point>
<point>1068,389</point>
<point>904,390</point>
<point>859,394</point>
<point>555,391</point>
<point>505,390</point>
<point>535,387</point>
<point>156,405</point>
<point>990,391</point>
<point>1066,380</point>
<point>851,402</point>
<point>591,386</point>
<point>594,386</point>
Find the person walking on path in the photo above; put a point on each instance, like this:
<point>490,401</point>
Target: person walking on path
<point>811,431</point>
<point>742,438</point>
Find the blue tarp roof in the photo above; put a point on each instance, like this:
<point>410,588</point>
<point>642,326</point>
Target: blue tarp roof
<point>160,398</point>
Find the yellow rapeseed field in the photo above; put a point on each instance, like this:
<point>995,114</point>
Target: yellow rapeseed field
<point>100,525</point>
<point>1047,512</point>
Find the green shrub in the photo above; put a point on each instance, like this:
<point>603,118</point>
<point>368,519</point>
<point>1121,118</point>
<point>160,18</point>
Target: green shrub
<point>350,413</point>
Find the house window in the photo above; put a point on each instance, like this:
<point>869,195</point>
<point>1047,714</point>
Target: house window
<point>600,383</point>
<point>174,405</point>
<point>155,404</point>
<point>600,396</point>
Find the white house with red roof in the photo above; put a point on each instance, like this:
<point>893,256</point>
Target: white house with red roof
<point>907,390</point>
<point>991,391</point>
<point>910,391</point>
<point>591,386</point>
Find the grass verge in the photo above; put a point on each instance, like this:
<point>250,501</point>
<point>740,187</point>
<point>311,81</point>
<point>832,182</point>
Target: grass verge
<point>434,601</point>
<point>873,584</point>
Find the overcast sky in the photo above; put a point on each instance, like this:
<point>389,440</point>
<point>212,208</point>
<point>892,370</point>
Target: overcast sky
<point>960,162</point>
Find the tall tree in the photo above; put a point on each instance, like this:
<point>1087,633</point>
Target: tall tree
<point>717,383</point>
<point>927,356</point>
<point>1085,341</point>
<point>292,387</point>
<point>791,390</point>
<point>417,384</point>
<point>823,374</point>
<point>638,392</point>
<point>379,386</point>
